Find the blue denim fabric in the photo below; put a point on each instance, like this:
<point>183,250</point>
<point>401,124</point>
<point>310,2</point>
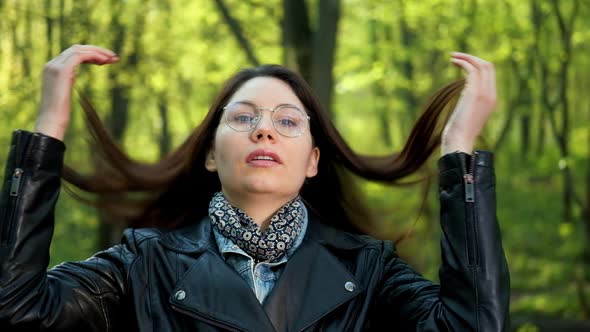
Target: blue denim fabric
<point>262,276</point>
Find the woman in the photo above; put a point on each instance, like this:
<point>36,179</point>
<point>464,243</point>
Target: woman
<point>250,223</point>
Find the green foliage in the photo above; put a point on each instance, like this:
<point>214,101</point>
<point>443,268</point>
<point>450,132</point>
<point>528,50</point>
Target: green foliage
<point>391,56</point>
<point>528,328</point>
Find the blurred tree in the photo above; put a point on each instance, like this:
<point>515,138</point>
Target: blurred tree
<point>311,50</point>
<point>552,101</point>
<point>373,63</point>
<point>117,119</point>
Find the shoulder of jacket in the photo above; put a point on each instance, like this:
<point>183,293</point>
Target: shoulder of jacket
<point>384,248</point>
<point>357,241</point>
<point>369,241</point>
<point>342,239</point>
<point>137,237</point>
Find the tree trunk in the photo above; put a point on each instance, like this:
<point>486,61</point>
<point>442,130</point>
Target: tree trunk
<point>406,93</point>
<point>109,232</point>
<point>584,282</point>
<point>471,13</point>
<point>586,208</point>
<point>237,32</point>
<point>560,101</point>
<point>63,39</point>
<point>26,48</point>
<point>309,52</point>
<point>324,48</point>
<point>536,21</point>
<point>566,30</point>
<point>117,119</point>
<point>297,36</point>
<point>15,43</point>
<point>165,139</point>
<point>525,134</point>
<point>49,29</point>
<point>379,88</point>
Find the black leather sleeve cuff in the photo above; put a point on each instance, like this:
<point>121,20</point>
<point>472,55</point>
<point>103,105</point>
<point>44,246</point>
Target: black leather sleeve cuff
<point>36,150</point>
<point>453,160</point>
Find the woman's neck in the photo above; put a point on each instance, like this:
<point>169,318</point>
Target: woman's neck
<point>259,207</point>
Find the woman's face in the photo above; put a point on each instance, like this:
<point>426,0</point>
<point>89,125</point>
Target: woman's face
<point>241,158</point>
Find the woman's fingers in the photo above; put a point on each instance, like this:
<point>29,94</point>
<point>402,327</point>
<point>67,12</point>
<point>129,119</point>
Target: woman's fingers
<point>79,57</point>
<point>58,78</point>
<point>473,60</point>
<point>481,75</point>
<point>464,64</point>
<point>476,103</point>
<point>86,48</point>
<point>79,54</point>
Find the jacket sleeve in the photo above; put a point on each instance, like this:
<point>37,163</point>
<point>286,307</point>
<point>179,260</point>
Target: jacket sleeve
<point>80,296</point>
<point>474,289</point>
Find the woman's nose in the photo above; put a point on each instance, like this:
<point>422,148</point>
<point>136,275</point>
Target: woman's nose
<point>264,128</point>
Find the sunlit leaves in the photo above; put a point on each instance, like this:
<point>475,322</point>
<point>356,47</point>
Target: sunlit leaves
<point>389,53</point>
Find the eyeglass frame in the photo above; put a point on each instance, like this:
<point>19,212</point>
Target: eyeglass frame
<point>271,110</point>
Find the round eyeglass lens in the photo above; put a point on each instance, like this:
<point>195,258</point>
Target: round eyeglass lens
<point>288,120</point>
<point>241,116</point>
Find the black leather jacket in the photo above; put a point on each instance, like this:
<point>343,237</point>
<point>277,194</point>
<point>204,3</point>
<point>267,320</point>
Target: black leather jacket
<point>177,281</point>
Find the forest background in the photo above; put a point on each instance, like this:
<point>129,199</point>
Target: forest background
<point>373,63</point>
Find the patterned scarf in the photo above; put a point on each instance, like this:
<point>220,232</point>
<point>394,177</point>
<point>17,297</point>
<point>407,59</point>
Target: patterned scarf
<point>273,243</point>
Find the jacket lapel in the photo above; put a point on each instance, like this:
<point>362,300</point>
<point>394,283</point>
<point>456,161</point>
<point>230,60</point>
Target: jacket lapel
<point>213,292</point>
<point>313,284</point>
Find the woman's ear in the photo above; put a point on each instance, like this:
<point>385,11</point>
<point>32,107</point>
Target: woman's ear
<point>210,163</point>
<point>312,164</point>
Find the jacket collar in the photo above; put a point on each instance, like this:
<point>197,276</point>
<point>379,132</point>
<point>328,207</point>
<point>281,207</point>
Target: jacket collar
<point>198,237</point>
<point>313,284</point>
<point>194,238</point>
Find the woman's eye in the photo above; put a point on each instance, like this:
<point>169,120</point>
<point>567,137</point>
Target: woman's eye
<point>244,118</point>
<point>287,122</point>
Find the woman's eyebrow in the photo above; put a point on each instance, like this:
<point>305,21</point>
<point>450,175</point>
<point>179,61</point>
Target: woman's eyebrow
<point>247,101</point>
<point>288,104</point>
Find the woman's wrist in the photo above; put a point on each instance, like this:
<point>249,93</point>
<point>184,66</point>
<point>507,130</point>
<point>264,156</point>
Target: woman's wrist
<point>451,146</point>
<point>54,130</point>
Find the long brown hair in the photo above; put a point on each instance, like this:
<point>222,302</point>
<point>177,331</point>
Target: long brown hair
<point>177,189</point>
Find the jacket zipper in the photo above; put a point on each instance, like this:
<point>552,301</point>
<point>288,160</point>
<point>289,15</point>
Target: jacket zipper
<point>16,180</point>
<point>470,223</point>
<point>9,215</point>
<point>206,319</point>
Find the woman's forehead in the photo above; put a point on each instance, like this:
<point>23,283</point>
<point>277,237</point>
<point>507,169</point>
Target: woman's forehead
<point>266,92</point>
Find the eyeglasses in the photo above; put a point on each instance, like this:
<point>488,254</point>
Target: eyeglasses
<point>288,120</point>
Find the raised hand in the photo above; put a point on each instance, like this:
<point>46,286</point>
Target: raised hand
<point>59,75</point>
<point>477,102</point>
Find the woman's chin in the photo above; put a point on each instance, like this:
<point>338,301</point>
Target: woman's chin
<point>262,188</point>
<point>266,186</point>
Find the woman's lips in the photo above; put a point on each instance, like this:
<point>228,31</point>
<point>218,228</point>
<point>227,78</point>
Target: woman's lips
<point>263,158</point>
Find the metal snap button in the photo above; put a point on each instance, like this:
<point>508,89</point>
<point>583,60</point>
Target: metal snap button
<point>180,295</point>
<point>349,286</point>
